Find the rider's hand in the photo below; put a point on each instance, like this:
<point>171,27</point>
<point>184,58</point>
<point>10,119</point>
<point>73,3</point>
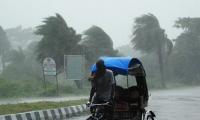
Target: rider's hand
<point>88,103</point>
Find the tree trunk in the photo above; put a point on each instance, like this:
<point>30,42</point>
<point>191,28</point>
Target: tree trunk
<point>161,65</point>
<point>3,60</point>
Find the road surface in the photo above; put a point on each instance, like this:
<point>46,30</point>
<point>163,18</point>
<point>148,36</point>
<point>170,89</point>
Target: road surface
<point>182,104</point>
<point>30,100</point>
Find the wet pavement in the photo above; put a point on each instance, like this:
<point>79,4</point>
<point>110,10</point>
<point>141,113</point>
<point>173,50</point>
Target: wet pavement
<point>30,100</point>
<point>181,104</point>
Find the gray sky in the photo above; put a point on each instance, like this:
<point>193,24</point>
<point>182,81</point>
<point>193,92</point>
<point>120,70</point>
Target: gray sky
<point>114,16</point>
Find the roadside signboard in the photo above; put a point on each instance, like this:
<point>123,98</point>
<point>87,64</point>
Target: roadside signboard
<point>49,69</point>
<point>49,66</point>
<point>74,67</point>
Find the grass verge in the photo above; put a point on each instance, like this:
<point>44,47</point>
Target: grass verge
<point>25,107</point>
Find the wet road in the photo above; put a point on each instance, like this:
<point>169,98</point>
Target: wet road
<point>31,100</point>
<point>182,104</point>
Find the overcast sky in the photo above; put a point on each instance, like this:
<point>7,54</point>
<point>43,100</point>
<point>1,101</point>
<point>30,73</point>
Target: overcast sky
<point>116,17</point>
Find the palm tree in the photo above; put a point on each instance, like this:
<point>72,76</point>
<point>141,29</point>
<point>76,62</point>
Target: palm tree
<point>4,46</point>
<point>97,43</point>
<point>57,39</point>
<point>149,37</point>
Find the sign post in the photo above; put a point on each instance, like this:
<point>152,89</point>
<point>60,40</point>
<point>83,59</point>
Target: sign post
<point>75,68</point>
<point>49,69</point>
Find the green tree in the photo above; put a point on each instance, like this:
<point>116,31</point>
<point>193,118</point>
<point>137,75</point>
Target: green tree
<point>21,37</point>
<point>57,39</point>
<point>4,46</point>
<point>186,55</point>
<point>23,64</point>
<point>149,37</point>
<point>97,43</point>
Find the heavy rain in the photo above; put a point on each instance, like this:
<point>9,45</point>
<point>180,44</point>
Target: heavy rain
<point>48,49</point>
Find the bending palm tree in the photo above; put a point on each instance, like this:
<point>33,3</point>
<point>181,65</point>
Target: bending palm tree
<point>149,37</point>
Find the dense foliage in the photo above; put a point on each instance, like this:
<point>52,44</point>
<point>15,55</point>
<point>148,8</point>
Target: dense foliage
<point>186,56</point>
<point>4,47</point>
<point>176,63</point>
<point>97,43</point>
<point>21,37</point>
<point>149,37</point>
<point>57,39</point>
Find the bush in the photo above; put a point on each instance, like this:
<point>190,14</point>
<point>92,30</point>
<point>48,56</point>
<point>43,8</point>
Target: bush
<point>19,88</point>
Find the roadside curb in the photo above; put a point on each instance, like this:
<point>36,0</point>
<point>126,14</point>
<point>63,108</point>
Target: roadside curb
<point>50,114</point>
